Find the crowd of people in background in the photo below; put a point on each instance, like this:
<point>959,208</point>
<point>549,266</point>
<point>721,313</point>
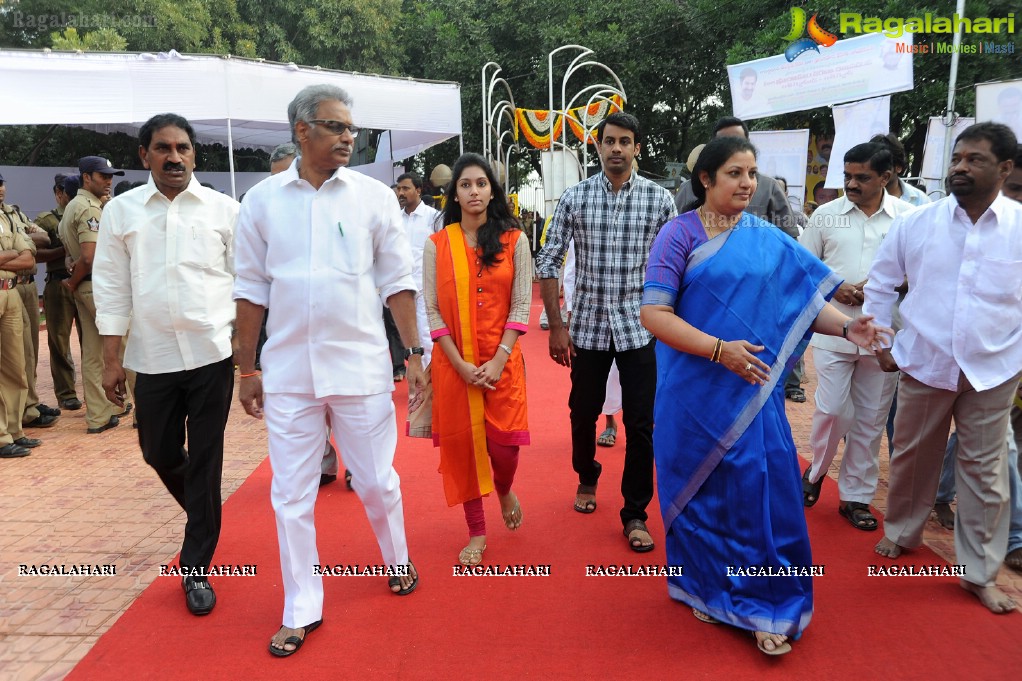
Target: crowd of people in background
<point>323,288</point>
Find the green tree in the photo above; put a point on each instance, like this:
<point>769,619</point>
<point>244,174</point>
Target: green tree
<point>646,44</point>
<point>352,35</point>
<point>102,40</point>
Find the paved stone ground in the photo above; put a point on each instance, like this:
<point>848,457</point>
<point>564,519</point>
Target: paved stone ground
<point>58,506</point>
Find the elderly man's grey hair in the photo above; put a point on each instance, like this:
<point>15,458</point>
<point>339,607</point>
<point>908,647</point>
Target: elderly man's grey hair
<point>303,106</point>
<point>283,151</point>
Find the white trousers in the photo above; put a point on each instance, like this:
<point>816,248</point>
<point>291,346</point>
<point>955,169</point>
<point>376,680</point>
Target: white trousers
<point>365,428</point>
<point>422,321</point>
<point>612,402</point>
<point>853,397</point>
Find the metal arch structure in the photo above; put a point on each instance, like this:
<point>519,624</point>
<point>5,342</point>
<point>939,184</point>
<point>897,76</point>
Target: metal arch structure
<point>494,116</point>
<point>600,92</point>
<point>601,95</point>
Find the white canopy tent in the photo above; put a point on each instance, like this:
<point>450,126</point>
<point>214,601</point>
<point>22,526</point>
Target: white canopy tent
<point>235,102</point>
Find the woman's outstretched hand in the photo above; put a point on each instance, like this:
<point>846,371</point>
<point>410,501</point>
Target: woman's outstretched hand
<point>869,336</point>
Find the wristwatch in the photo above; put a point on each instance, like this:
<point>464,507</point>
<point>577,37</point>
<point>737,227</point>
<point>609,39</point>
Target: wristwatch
<point>844,329</point>
<point>414,351</point>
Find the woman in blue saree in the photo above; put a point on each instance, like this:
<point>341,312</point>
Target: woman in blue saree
<point>733,302</point>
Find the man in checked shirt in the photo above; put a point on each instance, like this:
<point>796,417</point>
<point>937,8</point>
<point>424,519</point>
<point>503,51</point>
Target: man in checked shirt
<point>613,218</point>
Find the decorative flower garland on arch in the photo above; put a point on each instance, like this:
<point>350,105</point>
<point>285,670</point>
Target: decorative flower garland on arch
<point>534,124</point>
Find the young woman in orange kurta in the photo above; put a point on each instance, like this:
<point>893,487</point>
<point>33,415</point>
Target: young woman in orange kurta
<point>477,275</point>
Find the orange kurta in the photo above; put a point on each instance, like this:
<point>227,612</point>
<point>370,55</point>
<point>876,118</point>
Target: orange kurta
<point>474,302</point>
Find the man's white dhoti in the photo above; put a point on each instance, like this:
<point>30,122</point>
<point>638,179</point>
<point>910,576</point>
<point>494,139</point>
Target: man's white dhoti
<point>296,427</point>
<point>853,398</point>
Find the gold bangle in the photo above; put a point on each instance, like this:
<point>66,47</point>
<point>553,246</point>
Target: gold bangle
<point>717,347</point>
<point>254,373</point>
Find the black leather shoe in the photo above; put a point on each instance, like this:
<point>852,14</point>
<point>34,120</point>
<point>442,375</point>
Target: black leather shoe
<point>28,442</point>
<point>71,404</point>
<point>47,410</point>
<point>199,595</point>
<point>326,479</point>
<point>42,421</point>
<point>13,451</point>
<point>112,423</point>
<point>127,409</point>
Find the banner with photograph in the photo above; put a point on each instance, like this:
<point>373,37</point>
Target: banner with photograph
<point>854,124</point>
<point>782,153</point>
<point>1001,103</point>
<point>851,69</point>
<point>933,154</point>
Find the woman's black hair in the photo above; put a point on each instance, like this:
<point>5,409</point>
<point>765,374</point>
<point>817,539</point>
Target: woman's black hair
<point>498,215</point>
<point>711,158</point>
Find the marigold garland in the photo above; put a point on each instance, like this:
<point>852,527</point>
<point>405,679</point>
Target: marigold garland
<point>534,124</point>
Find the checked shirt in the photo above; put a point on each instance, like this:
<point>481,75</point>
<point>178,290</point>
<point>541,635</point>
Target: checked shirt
<point>613,234</point>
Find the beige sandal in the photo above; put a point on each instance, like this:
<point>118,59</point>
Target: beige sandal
<point>703,617</point>
<point>513,518</point>
<point>471,557</point>
<point>779,649</point>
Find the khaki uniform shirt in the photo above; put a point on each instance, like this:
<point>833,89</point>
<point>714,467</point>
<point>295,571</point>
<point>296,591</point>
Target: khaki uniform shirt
<point>17,221</point>
<point>49,221</point>
<point>80,224</point>
<point>12,239</point>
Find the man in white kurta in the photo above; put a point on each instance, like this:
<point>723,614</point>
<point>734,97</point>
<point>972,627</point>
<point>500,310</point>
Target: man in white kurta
<point>959,353</point>
<point>314,244</point>
<point>853,394</point>
<point>420,221</point>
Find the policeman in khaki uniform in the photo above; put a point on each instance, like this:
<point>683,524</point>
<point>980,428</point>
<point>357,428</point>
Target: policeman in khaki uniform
<point>79,231</point>
<point>58,302</point>
<point>15,254</point>
<point>36,415</point>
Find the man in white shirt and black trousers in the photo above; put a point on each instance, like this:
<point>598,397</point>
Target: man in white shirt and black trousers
<point>164,264</point>
<point>959,351</point>
<point>315,243</point>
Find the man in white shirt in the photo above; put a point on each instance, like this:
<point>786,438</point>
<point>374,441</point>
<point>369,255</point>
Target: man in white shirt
<point>959,353</point>
<point>281,158</point>
<point>853,393</point>
<point>420,222</point>
<point>896,186</point>
<point>320,246</point>
<point>164,265</point>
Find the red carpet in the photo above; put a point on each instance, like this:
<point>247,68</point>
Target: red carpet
<point>566,625</point>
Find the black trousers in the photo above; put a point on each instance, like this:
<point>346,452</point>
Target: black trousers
<point>193,403</point>
<point>589,371</point>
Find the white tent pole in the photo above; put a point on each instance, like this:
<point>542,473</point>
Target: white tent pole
<point>949,120</point>
<point>230,158</point>
<point>230,131</point>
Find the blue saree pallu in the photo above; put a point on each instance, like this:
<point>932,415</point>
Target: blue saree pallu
<point>727,469</point>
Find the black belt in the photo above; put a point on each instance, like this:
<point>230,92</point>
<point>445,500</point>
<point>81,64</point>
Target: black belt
<point>87,277</point>
<point>58,275</point>
<point>26,279</point>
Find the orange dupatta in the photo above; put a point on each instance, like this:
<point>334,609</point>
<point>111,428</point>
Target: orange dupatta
<point>475,305</point>
<point>465,478</point>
